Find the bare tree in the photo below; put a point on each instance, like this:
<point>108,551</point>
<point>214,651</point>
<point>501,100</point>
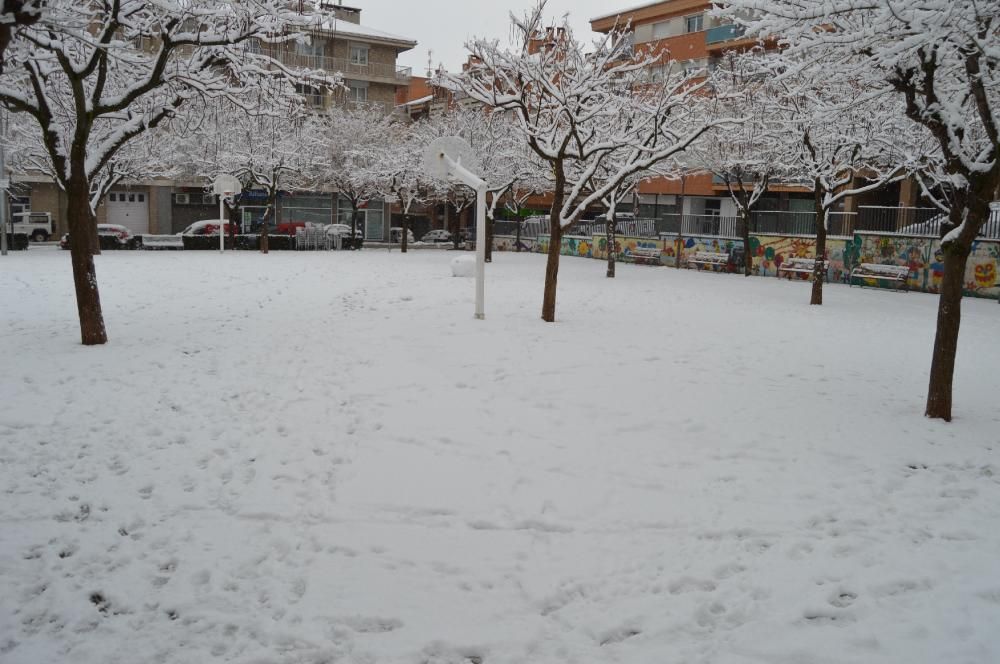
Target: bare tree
<point>940,60</point>
<point>355,143</point>
<point>579,110</point>
<point>95,76</point>
<point>746,157</point>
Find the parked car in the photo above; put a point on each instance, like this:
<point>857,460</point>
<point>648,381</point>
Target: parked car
<point>288,227</point>
<point>110,236</point>
<point>205,227</point>
<point>36,225</point>
<point>338,229</point>
<point>396,235</point>
<point>437,236</point>
<point>467,236</point>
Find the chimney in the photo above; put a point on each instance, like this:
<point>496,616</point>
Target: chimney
<point>346,14</point>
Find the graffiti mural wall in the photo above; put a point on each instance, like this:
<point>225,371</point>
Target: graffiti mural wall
<point>922,255</point>
<point>572,245</point>
<point>625,247</point>
<point>770,251</point>
<point>509,243</point>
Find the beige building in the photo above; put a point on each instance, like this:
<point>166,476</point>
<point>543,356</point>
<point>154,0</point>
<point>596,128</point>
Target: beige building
<point>365,58</point>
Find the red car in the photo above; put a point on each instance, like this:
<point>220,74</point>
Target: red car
<point>204,227</point>
<point>288,227</point>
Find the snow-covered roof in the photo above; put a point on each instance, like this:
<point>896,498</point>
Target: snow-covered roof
<point>627,10</point>
<point>346,28</point>
<point>417,102</point>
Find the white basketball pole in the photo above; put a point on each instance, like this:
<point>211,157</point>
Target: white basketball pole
<point>477,183</point>
<point>222,227</point>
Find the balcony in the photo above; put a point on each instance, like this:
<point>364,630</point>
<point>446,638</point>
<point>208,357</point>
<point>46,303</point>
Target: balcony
<point>723,33</point>
<point>374,72</point>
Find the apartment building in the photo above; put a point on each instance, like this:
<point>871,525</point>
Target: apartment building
<point>366,58</point>
<point>689,39</point>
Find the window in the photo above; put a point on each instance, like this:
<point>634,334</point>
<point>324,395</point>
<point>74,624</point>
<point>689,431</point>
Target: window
<point>313,49</point>
<point>20,204</point>
<point>357,90</point>
<point>713,207</point>
<point>661,30</point>
<point>359,54</point>
<point>312,96</point>
<point>694,23</point>
<point>658,73</point>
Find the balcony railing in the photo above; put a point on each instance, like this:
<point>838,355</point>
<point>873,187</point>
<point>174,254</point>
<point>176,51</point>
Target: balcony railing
<point>723,33</point>
<point>349,69</point>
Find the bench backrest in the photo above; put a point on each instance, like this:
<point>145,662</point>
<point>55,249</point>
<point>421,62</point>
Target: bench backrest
<point>710,256</point>
<point>802,263</point>
<point>887,270</point>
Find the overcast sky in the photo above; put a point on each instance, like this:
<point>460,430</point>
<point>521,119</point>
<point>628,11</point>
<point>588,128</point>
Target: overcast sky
<point>443,26</point>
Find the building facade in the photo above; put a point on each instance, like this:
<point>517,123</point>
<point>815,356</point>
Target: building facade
<point>689,39</point>
<point>367,60</point>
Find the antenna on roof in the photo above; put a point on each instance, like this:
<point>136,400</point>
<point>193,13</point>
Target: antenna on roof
<point>430,62</point>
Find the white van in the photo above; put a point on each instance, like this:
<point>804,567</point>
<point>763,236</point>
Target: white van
<point>36,225</point>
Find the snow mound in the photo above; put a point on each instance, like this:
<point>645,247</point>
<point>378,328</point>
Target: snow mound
<point>463,266</point>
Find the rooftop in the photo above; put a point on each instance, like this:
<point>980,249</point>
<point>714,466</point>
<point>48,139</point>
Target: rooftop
<point>342,27</point>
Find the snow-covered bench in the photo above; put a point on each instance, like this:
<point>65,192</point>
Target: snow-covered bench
<point>646,254</point>
<point>162,242</point>
<point>897,273</point>
<point>801,266</point>
<point>709,258</point>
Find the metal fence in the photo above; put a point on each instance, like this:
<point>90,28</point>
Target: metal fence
<point>629,227</point>
<point>778,222</point>
<point>700,224</point>
<point>868,219</point>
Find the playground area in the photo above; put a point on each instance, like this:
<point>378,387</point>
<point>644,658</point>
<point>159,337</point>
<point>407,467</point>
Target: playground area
<point>313,457</point>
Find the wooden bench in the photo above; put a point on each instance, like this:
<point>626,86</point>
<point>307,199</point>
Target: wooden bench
<point>646,254</point>
<point>708,258</point>
<point>897,273</point>
<point>801,266</point>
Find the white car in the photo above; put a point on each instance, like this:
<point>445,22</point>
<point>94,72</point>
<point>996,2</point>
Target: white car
<point>437,236</point>
<point>338,229</point>
<point>205,227</point>
<point>396,235</point>
<point>111,236</point>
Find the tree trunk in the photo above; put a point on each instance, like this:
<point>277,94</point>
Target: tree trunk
<point>355,222</point>
<point>949,319</point>
<point>517,235</point>
<point>489,239</point>
<point>93,237</point>
<point>555,249</point>
<point>403,234</point>
<point>612,241</point>
<point>552,270</point>
<point>82,229</point>
<point>264,229</point>
<point>232,225</point>
<point>819,274</point>
<point>747,258</point>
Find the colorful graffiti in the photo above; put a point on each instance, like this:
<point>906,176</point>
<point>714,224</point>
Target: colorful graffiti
<point>922,255</point>
<point>625,247</point>
<point>509,243</point>
<point>770,251</point>
<point>572,245</point>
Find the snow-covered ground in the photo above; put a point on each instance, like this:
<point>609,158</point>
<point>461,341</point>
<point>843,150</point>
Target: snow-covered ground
<point>307,458</point>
